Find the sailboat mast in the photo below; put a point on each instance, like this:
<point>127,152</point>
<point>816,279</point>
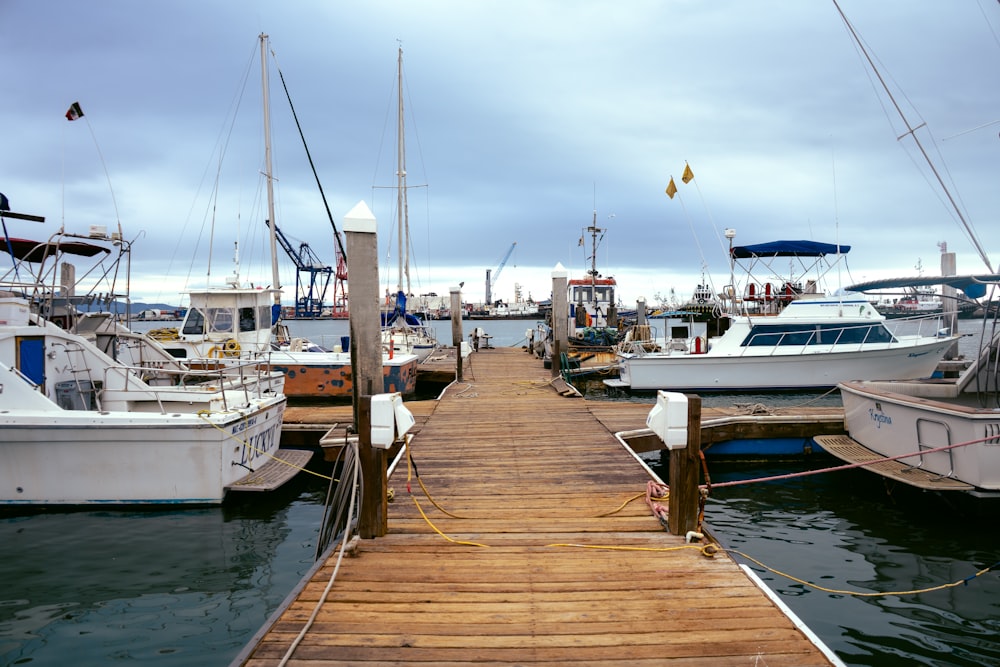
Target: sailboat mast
<point>912,131</point>
<point>401,203</point>
<point>276,282</point>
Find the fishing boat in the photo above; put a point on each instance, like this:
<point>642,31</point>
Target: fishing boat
<point>240,322</point>
<point>94,414</point>
<point>939,434</point>
<point>788,337</point>
<point>593,310</point>
<point>403,332</point>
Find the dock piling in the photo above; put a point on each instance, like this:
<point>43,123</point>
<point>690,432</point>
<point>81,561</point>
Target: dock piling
<point>684,469</point>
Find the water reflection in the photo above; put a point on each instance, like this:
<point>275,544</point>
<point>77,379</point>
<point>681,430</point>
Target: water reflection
<point>843,532</point>
<point>186,587</point>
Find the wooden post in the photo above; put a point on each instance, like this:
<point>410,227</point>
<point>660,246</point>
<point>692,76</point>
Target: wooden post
<point>949,299</point>
<point>640,312</point>
<point>360,231</point>
<point>373,519</point>
<point>685,465</point>
<point>456,329</point>
<point>560,317</point>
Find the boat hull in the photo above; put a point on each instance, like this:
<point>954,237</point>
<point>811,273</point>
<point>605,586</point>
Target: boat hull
<point>329,374</point>
<point>893,424</point>
<point>704,372</point>
<point>126,458</point>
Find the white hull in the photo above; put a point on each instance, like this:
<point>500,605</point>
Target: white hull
<point>692,372</point>
<point>813,343</point>
<point>892,424</point>
<point>82,457</point>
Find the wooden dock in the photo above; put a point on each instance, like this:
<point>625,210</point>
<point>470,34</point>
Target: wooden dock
<point>552,556</point>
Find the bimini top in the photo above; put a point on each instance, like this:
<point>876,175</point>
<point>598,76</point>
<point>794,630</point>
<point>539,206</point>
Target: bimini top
<point>789,249</point>
<point>974,286</point>
<point>35,251</point>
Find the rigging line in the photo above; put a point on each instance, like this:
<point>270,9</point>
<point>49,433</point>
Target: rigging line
<point>711,223</point>
<point>912,132</point>
<point>336,234</point>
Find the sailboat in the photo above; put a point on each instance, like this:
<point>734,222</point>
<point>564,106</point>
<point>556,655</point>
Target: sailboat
<point>404,332</point>
<point>240,322</point>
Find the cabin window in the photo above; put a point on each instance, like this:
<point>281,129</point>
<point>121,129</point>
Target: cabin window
<point>679,332</point>
<point>194,324</point>
<point>816,334</point>
<point>264,316</point>
<point>220,320</point>
<point>247,320</point>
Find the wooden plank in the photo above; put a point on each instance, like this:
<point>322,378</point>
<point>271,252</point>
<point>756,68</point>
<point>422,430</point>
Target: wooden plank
<point>285,465</point>
<point>571,567</point>
<point>850,450</point>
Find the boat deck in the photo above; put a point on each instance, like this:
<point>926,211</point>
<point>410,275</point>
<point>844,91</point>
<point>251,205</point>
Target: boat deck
<point>847,449</point>
<point>543,551</point>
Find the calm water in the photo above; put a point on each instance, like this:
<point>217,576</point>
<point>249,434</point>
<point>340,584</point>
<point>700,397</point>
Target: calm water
<point>191,587</point>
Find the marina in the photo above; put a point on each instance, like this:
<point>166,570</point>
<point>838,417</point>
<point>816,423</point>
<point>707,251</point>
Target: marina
<point>256,549</point>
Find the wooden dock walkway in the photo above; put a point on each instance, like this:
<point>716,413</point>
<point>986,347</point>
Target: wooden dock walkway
<point>569,571</point>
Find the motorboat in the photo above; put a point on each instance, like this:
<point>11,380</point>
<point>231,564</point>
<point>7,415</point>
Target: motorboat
<point>94,414</point>
<point>791,337</point>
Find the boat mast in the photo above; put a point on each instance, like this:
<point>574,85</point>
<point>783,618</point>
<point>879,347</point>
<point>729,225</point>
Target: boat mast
<point>594,230</point>
<point>912,131</point>
<point>267,170</point>
<point>401,204</point>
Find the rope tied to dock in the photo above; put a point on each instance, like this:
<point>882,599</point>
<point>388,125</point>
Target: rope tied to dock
<point>203,414</point>
<point>656,495</point>
<point>849,466</point>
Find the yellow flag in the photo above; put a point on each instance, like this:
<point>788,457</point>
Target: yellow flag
<point>688,174</point>
<point>671,188</point>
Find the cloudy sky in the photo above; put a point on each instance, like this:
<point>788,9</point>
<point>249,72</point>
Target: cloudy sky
<point>524,119</point>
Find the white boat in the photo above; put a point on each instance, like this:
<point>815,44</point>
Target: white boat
<point>814,341</point>
<point>923,425</point>
<point>239,323</point>
<point>942,435</point>
<point>402,332</point>
<point>91,413</point>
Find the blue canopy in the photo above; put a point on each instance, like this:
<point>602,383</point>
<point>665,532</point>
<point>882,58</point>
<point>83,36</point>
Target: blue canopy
<point>789,249</point>
<point>974,286</point>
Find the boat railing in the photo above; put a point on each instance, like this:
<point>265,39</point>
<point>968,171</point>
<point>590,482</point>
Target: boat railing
<point>916,325</point>
<point>251,378</point>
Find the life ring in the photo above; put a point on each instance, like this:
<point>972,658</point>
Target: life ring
<point>214,352</point>
<point>701,299</point>
<point>231,348</point>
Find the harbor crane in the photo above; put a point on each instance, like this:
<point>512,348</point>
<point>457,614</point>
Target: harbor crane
<point>490,282</point>
<point>309,294</point>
